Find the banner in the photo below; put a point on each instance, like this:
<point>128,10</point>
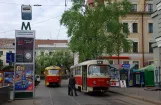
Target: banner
<point>8,78</point>
<point>24,77</point>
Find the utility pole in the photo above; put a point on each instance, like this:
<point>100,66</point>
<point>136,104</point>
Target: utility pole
<point>142,15</point>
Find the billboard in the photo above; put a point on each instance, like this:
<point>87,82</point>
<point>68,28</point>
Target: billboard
<point>24,77</point>
<point>8,78</point>
<point>24,49</point>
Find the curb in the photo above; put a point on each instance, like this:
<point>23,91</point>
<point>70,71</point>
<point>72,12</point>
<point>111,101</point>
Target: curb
<point>138,98</point>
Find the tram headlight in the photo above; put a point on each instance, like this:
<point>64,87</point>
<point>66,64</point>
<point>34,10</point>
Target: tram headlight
<point>94,82</point>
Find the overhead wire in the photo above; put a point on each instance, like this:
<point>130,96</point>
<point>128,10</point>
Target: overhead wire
<point>66,3</point>
<point>137,16</point>
<point>30,4</point>
<point>31,24</point>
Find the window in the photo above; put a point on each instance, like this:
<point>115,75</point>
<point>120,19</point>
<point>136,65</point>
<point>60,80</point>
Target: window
<point>53,72</point>
<point>136,64</point>
<point>135,47</point>
<point>125,27</point>
<point>135,27</point>
<point>150,7</point>
<point>125,62</point>
<point>151,62</point>
<point>1,53</point>
<point>111,62</point>
<point>150,27</point>
<point>98,69</point>
<point>150,47</point>
<point>134,8</point>
<point>125,50</point>
<point>78,71</point>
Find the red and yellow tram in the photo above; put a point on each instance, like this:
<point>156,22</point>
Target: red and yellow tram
<point>92,76</point>
<point>52,75</point>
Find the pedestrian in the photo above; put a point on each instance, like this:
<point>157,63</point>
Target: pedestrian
<point>72,83</point>
<point>69,88</point>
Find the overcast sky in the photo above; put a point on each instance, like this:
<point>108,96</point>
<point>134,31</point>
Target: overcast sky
<point>47,15</point>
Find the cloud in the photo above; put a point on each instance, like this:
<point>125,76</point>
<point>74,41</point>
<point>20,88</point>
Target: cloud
<point>45,18</point>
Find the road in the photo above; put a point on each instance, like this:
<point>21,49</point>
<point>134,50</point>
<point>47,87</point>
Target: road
<point>59,96</point>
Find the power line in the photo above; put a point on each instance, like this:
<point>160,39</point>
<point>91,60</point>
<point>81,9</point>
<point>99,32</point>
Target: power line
<point>31,4</point>
<point>31,24</point>
<point>137,16</point>
<point>66,3</point>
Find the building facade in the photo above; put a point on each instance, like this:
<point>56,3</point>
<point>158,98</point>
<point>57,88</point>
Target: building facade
<point>140,26</point>
<point>157,40</point>
<point>42,47</point>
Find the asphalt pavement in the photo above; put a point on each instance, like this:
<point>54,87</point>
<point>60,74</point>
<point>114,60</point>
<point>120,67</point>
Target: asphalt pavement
<point>59,96</point>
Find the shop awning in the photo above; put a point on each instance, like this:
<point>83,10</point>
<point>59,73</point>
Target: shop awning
<point>148,68</point>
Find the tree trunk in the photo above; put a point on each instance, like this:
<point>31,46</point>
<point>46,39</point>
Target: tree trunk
<point>118,58</point>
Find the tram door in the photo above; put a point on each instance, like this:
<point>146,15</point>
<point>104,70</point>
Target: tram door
<point>84,77</point>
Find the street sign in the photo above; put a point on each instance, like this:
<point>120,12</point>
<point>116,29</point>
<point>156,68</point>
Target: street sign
<point>126,66</point>
<point>26,12</point>
<point>9,57</point>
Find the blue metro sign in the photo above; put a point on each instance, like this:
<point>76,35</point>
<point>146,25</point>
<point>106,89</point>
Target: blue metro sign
<point>9,57</point>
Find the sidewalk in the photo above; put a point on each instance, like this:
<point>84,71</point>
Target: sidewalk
<point>24,102</point>
<point>139,93</point>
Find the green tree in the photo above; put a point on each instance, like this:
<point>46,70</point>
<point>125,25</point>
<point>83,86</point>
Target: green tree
<point>86,28</point>
<point>60,58</point>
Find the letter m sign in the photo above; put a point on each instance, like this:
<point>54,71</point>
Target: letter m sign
<point>26,26</point>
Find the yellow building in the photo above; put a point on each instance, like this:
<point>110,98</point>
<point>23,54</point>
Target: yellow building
<point>141,28</point>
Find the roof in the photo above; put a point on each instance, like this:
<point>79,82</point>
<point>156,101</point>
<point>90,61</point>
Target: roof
<point>7,42</point>
<point>52,67</point>
<point>89,62</point>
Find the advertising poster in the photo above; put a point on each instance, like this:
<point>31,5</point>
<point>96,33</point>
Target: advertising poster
<point>24,49</point>
<point>24,77</point>
<point>8,78</point>
<point>1,77</point>
<point>122,83</point>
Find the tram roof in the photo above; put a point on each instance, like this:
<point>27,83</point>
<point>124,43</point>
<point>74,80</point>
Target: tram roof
<point>52,67</point>
<point>90,62</point>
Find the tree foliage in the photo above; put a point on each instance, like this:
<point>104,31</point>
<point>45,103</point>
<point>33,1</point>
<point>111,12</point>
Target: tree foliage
<point>63,58</point>
<point>87,28</point>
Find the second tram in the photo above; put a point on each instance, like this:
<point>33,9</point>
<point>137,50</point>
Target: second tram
<point>92,76</point>
<point>52,75</point>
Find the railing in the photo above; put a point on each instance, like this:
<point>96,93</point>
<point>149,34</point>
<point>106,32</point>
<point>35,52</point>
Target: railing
<point>4,94</point>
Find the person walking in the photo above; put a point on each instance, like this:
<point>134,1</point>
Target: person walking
<point>71,86</point>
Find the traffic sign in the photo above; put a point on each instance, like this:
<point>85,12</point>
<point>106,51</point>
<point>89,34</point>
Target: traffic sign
<point>9,57</point>
<point>126,66</point>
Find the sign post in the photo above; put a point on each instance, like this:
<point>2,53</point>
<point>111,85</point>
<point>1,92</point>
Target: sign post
<point>24,73</point>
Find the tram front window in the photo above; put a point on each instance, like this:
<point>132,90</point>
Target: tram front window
<point>53,72</point>
<point>98,70</point>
